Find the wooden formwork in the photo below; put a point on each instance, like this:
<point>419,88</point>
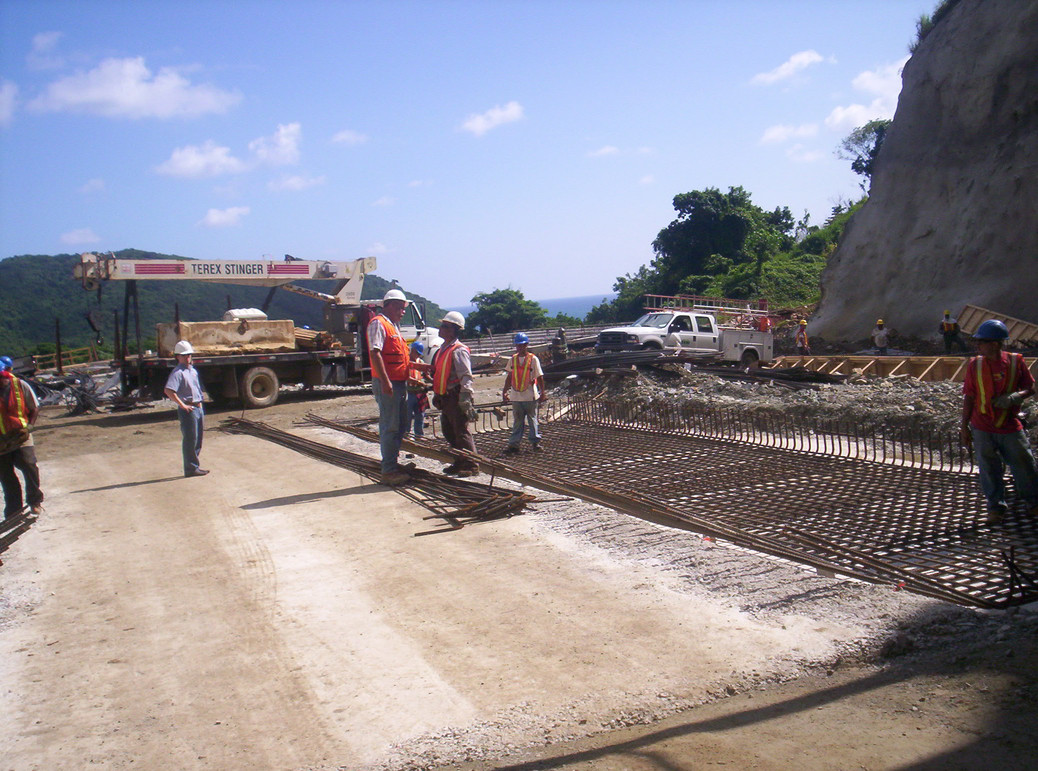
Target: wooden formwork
<point>921,367</point>
<point>1021,332</point>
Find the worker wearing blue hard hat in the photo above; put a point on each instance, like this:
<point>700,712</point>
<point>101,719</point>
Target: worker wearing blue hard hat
<point>6,363</point>
<point>524,389</point>
<point>996,384</point>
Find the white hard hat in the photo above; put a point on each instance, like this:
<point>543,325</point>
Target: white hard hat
<point>455,318</point>
<point>394,294</point>
<point>183,348</point>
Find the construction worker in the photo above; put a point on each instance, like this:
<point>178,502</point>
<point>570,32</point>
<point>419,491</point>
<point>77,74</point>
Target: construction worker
<point>800,339</point>
<point>19,409</point>
<point>880,337</point>
<point>453,392</point>
<point>949,330</point>
<point>524,389</point>
<point>389,368</point>
<point>417,398</point>
<point>184,389</point>
<point>996,384</point>
<point>559,346</point>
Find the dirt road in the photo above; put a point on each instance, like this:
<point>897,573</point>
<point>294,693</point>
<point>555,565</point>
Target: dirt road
<point>279,613</point>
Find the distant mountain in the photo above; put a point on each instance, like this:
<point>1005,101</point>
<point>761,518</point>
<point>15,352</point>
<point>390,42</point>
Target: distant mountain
<point>36,289</point>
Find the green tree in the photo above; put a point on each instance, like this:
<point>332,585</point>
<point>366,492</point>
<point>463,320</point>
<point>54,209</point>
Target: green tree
<point>861,147</point>
<point>503,310</point>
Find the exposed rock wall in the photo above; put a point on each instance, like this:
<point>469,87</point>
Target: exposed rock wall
<point>952,216</point>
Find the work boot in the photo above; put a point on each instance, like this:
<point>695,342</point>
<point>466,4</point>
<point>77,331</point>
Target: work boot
<point>467,472</point>
<point>538,448</point>
<point>451,469</point>
<point>996,515</point>
<point>36,510</point>
<point>395,478</point>
<point>198,472</point>
<point>511,449</point>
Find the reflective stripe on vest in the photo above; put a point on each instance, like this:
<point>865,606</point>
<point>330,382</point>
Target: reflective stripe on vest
<point>949,326</point>
<point>394,351</point>
<point>15,416</point>
<point>986,386</point>
<point>442,368</point>
<point>521,377</point>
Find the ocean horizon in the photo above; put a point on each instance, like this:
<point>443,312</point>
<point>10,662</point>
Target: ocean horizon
<point>577,307</point>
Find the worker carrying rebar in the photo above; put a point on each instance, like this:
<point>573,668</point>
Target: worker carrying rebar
<point>524,389</point>
<point>880,337</point>
<point>19,409</point>
<point>949,330</point>
<point>996,384</point>
<point>453,393</point>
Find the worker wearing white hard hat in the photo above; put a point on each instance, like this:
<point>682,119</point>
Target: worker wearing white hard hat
<point>453,393</point>
<point>184,389</point>
<point>389,358</point>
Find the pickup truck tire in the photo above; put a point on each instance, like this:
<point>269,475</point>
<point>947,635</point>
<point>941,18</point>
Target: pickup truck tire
<point>652,345</point>
<point>749,360</point>
<point>259,387</point>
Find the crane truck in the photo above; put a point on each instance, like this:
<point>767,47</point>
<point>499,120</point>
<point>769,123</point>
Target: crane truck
<point>245,355</point>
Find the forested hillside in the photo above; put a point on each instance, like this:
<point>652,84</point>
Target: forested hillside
<point>36,289</point>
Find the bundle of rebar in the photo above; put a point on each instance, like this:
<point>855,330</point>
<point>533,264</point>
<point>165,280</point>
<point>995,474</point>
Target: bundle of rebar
<point>457,501</point>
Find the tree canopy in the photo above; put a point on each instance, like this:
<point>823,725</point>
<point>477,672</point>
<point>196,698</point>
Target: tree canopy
<point>862,146</point>
<point>503,310</point>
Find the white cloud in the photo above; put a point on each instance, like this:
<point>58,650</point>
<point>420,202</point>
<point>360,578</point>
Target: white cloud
<point>384,201</point>
<point>349,137</point>
<point>95,185</point>
<point>295,182</point>
<point>378,248</point>
<point>644,151</point>
<point>800,154</point>
<point>883,84</point>
<point>419,183</point>
<point>648,179</point>
<point>207,160</point>
<point>282,148</point>
<point>126,88</point>
<point>788,68</point>
<point>603,151</point>
<point>781,133</point>
<point>8,100</point>
<point>480,124</point>
<point>42,56</point>
<point>222,218</point>
<point>81,236</point>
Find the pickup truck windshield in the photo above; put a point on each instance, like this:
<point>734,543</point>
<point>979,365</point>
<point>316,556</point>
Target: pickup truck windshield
<point>660,320</point>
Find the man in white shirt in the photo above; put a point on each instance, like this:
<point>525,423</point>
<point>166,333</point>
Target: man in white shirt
<point>524,388</point>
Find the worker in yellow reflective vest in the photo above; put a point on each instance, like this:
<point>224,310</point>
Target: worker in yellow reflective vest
<point>996,384</point>
<point>19,409</point>
<point>949,330</point>
<point>524,389</point>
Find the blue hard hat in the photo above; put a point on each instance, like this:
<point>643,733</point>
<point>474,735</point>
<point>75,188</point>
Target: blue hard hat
<point>992,329</point>
<point>520,339</point>
<point>417,347</point>
<point>5,363</point>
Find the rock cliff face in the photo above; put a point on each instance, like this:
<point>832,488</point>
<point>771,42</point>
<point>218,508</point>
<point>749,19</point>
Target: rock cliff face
<point>952,216</point>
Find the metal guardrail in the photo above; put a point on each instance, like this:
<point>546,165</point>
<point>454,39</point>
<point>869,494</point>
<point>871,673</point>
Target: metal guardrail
<point>539,338</point>
<point>68,358</point>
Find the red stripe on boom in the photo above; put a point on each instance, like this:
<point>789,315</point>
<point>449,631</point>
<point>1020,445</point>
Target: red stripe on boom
<point>160,269</point>
<point>289,269</point>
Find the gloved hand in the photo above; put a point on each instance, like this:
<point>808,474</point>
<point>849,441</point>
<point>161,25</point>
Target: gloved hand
<point>467,407</point>
<point>1005,401</point>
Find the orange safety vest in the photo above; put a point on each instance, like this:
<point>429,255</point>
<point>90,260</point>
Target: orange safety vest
<point>394,351</point>
<point>15,411</point>
<point>801,336</point>
<point>986,385</point>
<point>442,366</point>
<point>949,326</point>
<point>521,373</point>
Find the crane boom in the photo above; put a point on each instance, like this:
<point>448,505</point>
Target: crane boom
<point>93,269</point>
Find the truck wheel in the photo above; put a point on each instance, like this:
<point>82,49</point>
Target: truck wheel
<point>749,360</point>
<point>652,345</point>
<point>259,387</point>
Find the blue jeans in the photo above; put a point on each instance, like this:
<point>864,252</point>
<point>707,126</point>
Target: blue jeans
<point>415,416</point>
<point>392,422</point>
<point>523,413</point>
<point>191,428</point>
<point>996,451</point>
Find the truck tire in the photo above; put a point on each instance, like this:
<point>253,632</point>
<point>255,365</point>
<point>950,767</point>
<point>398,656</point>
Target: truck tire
<point>652,345</point>
<point>749,360</point>
<point>259,387</point>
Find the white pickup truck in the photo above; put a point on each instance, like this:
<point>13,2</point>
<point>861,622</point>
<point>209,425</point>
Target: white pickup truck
<point>693,331</point>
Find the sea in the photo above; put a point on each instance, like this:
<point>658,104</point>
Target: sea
<point>577,307</point>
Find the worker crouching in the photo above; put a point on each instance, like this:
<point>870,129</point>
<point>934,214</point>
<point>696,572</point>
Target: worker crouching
<point>453,392</point>
<point>996,384</point>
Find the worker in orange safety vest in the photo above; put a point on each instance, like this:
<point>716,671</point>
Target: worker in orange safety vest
<point>19,409</point>
<point>389,367</point>
<point>453,393</point>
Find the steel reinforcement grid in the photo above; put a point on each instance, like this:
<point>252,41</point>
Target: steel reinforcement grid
<point>898,507</point>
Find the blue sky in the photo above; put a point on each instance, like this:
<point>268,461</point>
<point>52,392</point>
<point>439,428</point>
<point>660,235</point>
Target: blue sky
<point>467,145</point>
